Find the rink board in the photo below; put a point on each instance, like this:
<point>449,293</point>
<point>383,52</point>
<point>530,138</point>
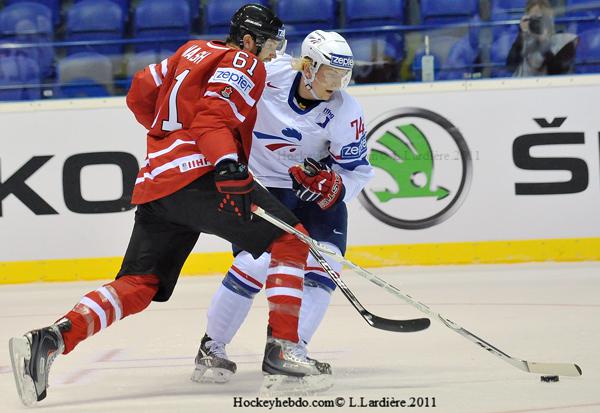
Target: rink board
<point>466,172</point>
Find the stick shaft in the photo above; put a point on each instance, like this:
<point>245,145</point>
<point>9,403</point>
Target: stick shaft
<point>559,369</point>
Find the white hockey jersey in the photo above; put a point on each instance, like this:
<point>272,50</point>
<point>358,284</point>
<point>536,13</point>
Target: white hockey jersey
<point>284,134</point>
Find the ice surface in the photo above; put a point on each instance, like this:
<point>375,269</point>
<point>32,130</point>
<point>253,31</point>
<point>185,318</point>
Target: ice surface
<point>537,312</point>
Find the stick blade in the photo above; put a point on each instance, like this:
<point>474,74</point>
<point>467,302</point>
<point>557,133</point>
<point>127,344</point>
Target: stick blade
<point>554,369</point>
<point>398,326</point>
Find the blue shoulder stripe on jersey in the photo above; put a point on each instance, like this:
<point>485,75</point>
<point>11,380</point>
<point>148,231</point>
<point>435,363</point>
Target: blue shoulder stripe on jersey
<point>293,89</point>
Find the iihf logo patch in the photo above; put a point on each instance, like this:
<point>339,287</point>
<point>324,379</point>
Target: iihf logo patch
<point>226,92</point>
<point>324,118</point>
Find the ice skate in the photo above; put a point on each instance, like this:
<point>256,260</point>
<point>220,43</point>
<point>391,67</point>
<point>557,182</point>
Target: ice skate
<point>323,367</point>
<point>212,363</point>
<point>289,372</point>
<point>32,356</point>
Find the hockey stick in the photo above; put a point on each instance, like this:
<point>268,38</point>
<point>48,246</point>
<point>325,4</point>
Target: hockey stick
<point>555,369</point>
<point>400,326</point>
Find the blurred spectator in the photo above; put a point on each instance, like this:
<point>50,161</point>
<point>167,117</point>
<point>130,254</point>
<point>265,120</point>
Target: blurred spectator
<point>538,49</point>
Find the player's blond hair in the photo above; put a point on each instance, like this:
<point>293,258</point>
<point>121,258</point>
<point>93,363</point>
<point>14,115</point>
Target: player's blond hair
<point>300,63</point>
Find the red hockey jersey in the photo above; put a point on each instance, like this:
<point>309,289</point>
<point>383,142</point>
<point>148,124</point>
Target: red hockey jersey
<point>198,106</point>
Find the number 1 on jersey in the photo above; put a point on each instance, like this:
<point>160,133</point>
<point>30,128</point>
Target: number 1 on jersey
<point>173,123</point>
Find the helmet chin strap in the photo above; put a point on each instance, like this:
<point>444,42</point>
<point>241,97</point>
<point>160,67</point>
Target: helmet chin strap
<point>308,83</point>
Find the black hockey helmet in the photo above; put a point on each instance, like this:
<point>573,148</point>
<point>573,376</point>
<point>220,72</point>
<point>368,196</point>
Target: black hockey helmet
<point>259,22</point>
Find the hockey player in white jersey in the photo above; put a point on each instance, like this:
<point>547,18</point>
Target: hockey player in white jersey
<point>309,149</point>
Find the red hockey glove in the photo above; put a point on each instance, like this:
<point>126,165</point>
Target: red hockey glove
<point>235,182</point>
<point>315,181</point>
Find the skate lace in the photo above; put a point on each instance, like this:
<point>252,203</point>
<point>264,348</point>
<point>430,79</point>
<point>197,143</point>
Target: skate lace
<point>302,349</point>
<point>298,351</point>
<point>216,349</point>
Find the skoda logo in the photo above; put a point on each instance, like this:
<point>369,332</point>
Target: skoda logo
<point>422,169</point>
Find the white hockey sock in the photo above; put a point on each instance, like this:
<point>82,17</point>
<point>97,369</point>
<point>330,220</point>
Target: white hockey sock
<point>232,301</point>
<point>226,313</point>
<point>315,301</point>
<point>318,288</point>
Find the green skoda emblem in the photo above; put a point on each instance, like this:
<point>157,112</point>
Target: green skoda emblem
<point>411,168</point>
<point>422,169</point>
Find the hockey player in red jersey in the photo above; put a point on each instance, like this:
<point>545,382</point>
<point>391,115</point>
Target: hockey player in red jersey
<point>198,106</point>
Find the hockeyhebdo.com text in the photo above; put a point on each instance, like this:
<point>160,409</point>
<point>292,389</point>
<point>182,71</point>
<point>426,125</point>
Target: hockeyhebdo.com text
<point>345,402</point>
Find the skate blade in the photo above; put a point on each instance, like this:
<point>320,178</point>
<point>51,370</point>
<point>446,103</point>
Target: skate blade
<point>204,374</point>
<point>276,385</point>
<point>20,351</point>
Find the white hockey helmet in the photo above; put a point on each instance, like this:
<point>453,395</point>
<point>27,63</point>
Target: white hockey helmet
<point>330,49</point>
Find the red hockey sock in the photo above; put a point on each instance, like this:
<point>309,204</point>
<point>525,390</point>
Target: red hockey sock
<point>285,279</point>
<point>98,309</point>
